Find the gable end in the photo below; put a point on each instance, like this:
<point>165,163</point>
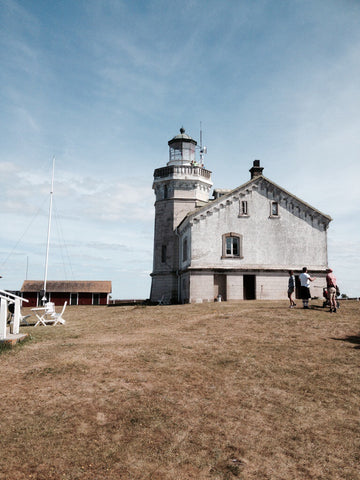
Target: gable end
<point>269,190</point>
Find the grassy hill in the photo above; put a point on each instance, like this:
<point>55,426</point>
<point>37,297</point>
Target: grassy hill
<point>249,390</point>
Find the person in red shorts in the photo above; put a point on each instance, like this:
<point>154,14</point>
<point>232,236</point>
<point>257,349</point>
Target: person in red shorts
<point>331,289</point>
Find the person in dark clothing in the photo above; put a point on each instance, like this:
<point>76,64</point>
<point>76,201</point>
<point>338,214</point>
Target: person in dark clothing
<point>291,289</point>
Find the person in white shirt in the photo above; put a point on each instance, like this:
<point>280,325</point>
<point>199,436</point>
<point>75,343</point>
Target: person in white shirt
<point>305,280</point>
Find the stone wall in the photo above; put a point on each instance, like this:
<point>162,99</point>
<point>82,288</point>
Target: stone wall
<point>268,285</point>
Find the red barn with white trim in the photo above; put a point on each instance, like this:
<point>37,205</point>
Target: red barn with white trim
<point>75,292</point>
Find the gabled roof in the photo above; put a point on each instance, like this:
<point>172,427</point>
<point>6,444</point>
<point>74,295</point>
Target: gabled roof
<point>71,286</point>
<point>260,179</point>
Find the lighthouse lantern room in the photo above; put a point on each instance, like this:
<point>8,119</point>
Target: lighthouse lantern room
<point>182,149</point>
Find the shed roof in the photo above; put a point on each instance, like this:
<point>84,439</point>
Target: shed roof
<point>72,286</point>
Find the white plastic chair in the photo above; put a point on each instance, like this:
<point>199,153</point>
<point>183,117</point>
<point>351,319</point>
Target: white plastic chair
<point>46,314</point>
<point>22,319</point>
<point>58,317</point>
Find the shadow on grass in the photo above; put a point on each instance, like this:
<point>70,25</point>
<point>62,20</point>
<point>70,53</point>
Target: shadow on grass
<point>354,339</point>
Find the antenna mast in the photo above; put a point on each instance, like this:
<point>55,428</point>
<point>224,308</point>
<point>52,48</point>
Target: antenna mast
<point>203,149</point>
<point>49,229</point>
<point>27,267</point>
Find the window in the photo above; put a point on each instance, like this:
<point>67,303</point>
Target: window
<point>232,245</point>
<point>165,191</point>
<point>163,253</point>
<point>243,207</point>
<point>274,209</point>
<point>185,250</point>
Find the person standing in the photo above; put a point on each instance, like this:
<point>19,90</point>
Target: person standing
<point>331,289</point>
<point>305,280</point>
<point>291,289</point>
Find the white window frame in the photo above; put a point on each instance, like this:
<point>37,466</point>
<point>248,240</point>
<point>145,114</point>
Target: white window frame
<point>244,208</point>
<point>239,238</point>
<point>275,205</point>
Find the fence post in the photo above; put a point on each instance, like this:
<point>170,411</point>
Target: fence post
<point>17,314</point>
<point>3,318</point>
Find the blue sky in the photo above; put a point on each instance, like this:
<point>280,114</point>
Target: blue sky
<point>103,86</point>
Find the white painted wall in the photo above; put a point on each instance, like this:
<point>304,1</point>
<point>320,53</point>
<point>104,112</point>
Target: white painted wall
<point>234,287</point>
<point>283,242</point>
<point>202,288</point>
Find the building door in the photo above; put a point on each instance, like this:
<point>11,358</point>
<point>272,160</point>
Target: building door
<point>73,298</point>
<point>96,299</point>
<point>249,287</point>
<point>220,286</point>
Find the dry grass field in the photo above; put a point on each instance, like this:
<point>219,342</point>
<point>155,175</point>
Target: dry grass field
<point>248,390</point>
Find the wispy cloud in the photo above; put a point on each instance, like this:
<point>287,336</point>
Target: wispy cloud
<point>87,197</point>
<point>104,85</point>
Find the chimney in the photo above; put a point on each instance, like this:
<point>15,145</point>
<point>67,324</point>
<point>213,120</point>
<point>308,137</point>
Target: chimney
<point>256,170</point>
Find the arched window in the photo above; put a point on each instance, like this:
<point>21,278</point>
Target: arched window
<point>232,245</point>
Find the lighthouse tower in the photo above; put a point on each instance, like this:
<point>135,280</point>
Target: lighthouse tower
<point>180,187</point>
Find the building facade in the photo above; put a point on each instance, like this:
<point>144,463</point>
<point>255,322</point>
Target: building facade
<point>239,245</point>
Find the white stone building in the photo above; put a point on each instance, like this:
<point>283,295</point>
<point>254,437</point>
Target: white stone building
<point>240,244</point>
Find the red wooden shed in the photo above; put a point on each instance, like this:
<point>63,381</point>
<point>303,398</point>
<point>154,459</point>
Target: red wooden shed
<point>75,292</point>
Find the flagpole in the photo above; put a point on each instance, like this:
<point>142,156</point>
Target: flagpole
<point>49,230</point>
